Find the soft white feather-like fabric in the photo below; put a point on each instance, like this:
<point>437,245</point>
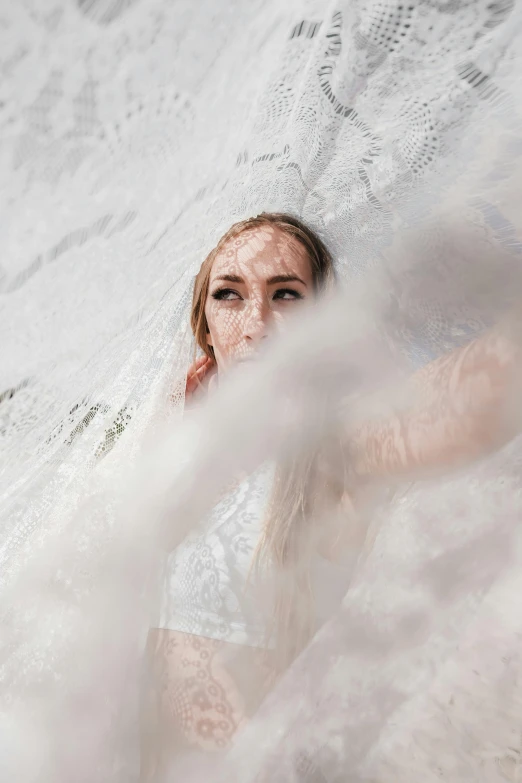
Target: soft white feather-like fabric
<point>133,133</point>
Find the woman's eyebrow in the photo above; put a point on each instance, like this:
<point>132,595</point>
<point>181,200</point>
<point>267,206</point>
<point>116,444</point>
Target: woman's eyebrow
<point>270,281</point>
<point>285,279</point>
<point>231,278</point>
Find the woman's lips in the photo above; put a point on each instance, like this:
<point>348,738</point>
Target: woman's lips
<point>251,358</point>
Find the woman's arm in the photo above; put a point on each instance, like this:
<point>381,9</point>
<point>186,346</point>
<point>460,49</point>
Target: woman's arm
<point>464,407</point>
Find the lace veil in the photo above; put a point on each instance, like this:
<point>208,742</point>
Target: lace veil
<point>134,133</point>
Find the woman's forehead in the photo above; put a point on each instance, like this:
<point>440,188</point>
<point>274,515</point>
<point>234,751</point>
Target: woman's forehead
<point>265,247</point>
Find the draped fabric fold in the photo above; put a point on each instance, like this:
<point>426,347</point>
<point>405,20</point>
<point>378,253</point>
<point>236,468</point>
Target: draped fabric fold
<point>133,134</point>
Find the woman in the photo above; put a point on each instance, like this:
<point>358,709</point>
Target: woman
<point>213,650</point>
<point>222,636</point>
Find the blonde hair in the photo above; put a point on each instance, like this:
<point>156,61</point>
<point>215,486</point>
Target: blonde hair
<point>288,535</point>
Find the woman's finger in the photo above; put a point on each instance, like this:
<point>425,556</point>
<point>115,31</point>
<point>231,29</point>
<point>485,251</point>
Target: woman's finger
<point>195,367</point>
<point>197,373</point>
<point>206,372</point>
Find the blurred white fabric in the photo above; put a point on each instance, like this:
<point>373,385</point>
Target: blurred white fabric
<point>133,133</point>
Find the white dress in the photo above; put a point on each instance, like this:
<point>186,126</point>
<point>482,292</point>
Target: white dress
<point>213,588</point>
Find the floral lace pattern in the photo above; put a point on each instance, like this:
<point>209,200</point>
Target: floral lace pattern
<point>211,588</point>
<point>133,133</point>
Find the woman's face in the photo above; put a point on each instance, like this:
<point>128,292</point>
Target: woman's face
<point>256,282</point>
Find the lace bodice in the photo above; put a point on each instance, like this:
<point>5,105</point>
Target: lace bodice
<point>213,587</point>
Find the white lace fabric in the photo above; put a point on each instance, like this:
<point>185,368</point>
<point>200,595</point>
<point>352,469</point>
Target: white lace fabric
<point>133,133</point>
<point>213,588</point>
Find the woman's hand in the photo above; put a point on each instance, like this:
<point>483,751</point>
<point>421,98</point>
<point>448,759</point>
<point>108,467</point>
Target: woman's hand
<point>199,377</point>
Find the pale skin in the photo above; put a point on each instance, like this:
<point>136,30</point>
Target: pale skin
<point>254,287</point>
<point>462,403</point>
<point>465,408</point>
<point>462,412</point>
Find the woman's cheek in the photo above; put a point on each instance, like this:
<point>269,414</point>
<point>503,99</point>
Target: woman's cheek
<point>216,322</point>
<point>279,320</point>
<point>227,328</point>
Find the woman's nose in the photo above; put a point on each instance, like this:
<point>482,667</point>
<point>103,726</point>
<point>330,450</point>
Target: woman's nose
<point>257,320</point>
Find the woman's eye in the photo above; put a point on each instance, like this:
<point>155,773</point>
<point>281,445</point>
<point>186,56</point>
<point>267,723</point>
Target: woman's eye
<point>287,294</point>
<point>225,294</point>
